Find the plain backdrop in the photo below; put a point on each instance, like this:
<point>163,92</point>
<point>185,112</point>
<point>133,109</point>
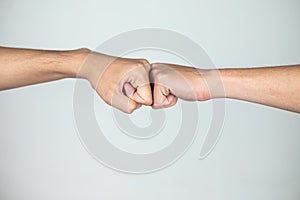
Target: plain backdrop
<point>257,156</point>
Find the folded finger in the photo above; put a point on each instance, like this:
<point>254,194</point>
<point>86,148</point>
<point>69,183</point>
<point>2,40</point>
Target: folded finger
<point>124,103</point>
<point>162,97</point>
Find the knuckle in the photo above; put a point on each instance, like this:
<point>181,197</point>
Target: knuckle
<point>144,61</point>
<point>131,107</point>
<point>155,73</point>
<point>141,67</point>
<point>161,76</point>
<point>158,72</point>
<point>147,67</point>
<point>108,101</point>
<point>148,101</point>
<point>155,65</point>
<point>130,110</point>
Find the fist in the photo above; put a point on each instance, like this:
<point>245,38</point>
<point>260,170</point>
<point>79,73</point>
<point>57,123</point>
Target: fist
<point>120,82</point>
<point>175,81</point>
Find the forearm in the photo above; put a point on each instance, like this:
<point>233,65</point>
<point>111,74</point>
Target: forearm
<point>273,86</point>
<point>21,67</point>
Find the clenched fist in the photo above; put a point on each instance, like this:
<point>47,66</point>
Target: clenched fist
<point>175,81</point>
<point>120,82</point>
<point>124,83</point>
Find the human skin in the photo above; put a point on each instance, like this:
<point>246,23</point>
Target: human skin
<point>273,86</point>
<point>110,76</point>
<point>124,83</point>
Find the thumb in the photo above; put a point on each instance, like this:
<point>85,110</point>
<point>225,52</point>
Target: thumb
<point>142,93</point>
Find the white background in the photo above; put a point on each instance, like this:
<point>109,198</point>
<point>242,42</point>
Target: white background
<point>257,157</point>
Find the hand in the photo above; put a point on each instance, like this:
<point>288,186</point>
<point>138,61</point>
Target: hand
<point>120,82</point>
<point>174,81</point>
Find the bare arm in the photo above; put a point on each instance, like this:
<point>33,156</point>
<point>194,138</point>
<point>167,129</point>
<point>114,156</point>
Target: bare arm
<point>21,67</point>
<point>108,75</point>
<point>273,86</point>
